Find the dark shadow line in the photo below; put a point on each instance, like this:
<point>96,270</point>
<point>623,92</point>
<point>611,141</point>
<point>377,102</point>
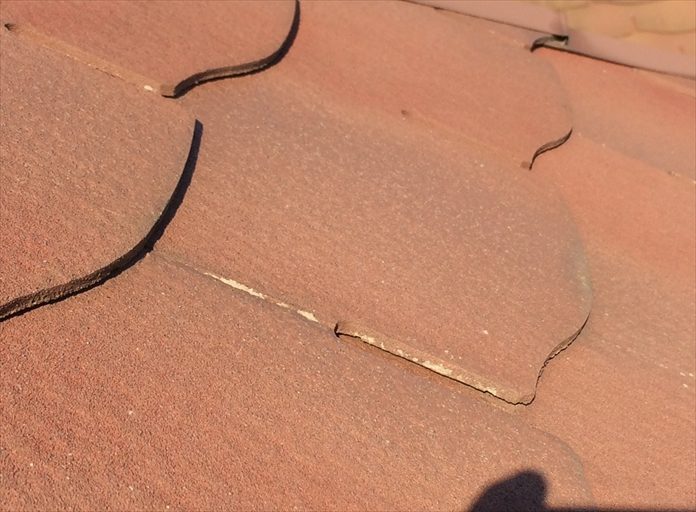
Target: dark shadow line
<point>544,40</point>
<point>527,490</point>
<point>549,146</point>
<point>239,70</point>
<point>34,300</point>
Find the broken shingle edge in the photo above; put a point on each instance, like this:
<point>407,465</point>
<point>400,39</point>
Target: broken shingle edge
<point>506,393</point>
<point>59,292</point>
<point>148,84</point>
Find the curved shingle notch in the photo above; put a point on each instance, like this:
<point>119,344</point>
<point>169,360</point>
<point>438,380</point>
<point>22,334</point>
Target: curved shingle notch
<point>138,251</point>
<point>84,193</point>
<point>548,147</point>
<point>245,68</point>
<point>164,47</point>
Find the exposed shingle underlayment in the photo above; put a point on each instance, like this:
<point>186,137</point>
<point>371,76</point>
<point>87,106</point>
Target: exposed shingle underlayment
<point>373,185</point>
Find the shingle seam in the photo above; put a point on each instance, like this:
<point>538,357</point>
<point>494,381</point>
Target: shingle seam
<point>237,70</point>
<point>149,84</point>
<point>392,346</point>
<point>60,292</point>
<point>598,46</point>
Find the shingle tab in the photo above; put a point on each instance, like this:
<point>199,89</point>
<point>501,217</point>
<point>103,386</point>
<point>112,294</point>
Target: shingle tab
<point>88,165</point>
<point>163,46</point>
<point>432,248</point>
<point>166,388</point>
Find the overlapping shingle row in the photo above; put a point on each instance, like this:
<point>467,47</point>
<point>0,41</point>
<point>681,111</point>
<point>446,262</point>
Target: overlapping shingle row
<point>374,185</point>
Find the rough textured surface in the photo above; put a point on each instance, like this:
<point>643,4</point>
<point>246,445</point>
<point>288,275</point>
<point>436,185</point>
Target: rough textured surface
<point>165,388</point>
<point>79,188</point>
<point>628,380</point>
<point>407,57</point>
<point>416,240</point>
<point>344,185</point>
<point>627,111</point>
<point>167,46</point>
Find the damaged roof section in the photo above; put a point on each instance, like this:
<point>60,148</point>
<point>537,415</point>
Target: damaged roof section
<point>384,229</point>
<point>246,403</point>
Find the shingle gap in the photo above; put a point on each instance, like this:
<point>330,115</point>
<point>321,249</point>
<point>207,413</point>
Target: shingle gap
<point>549,146</point>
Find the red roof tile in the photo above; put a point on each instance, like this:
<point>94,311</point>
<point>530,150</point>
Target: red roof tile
<point>165,46</point>
<point>88,165</point>
<point>406,57</point>
<point>165,388</point>
<point>369,184</point>
<point>423,243</point>
<point>627,111</point>
<point>628,381</point>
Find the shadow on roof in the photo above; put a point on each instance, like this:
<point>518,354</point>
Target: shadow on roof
<point>526,491</point>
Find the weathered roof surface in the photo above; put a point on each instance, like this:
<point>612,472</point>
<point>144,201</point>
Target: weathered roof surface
<point>88,165</point>
<point>384,230</point>
<point>222,400</point>
<point>405,57</point>
<point>163,46</point>
<point>630,384</point>
<point>617,106</point>
<point>261,281</point>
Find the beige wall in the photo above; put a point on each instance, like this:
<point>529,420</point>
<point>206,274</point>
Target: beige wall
<point>668,24</point>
